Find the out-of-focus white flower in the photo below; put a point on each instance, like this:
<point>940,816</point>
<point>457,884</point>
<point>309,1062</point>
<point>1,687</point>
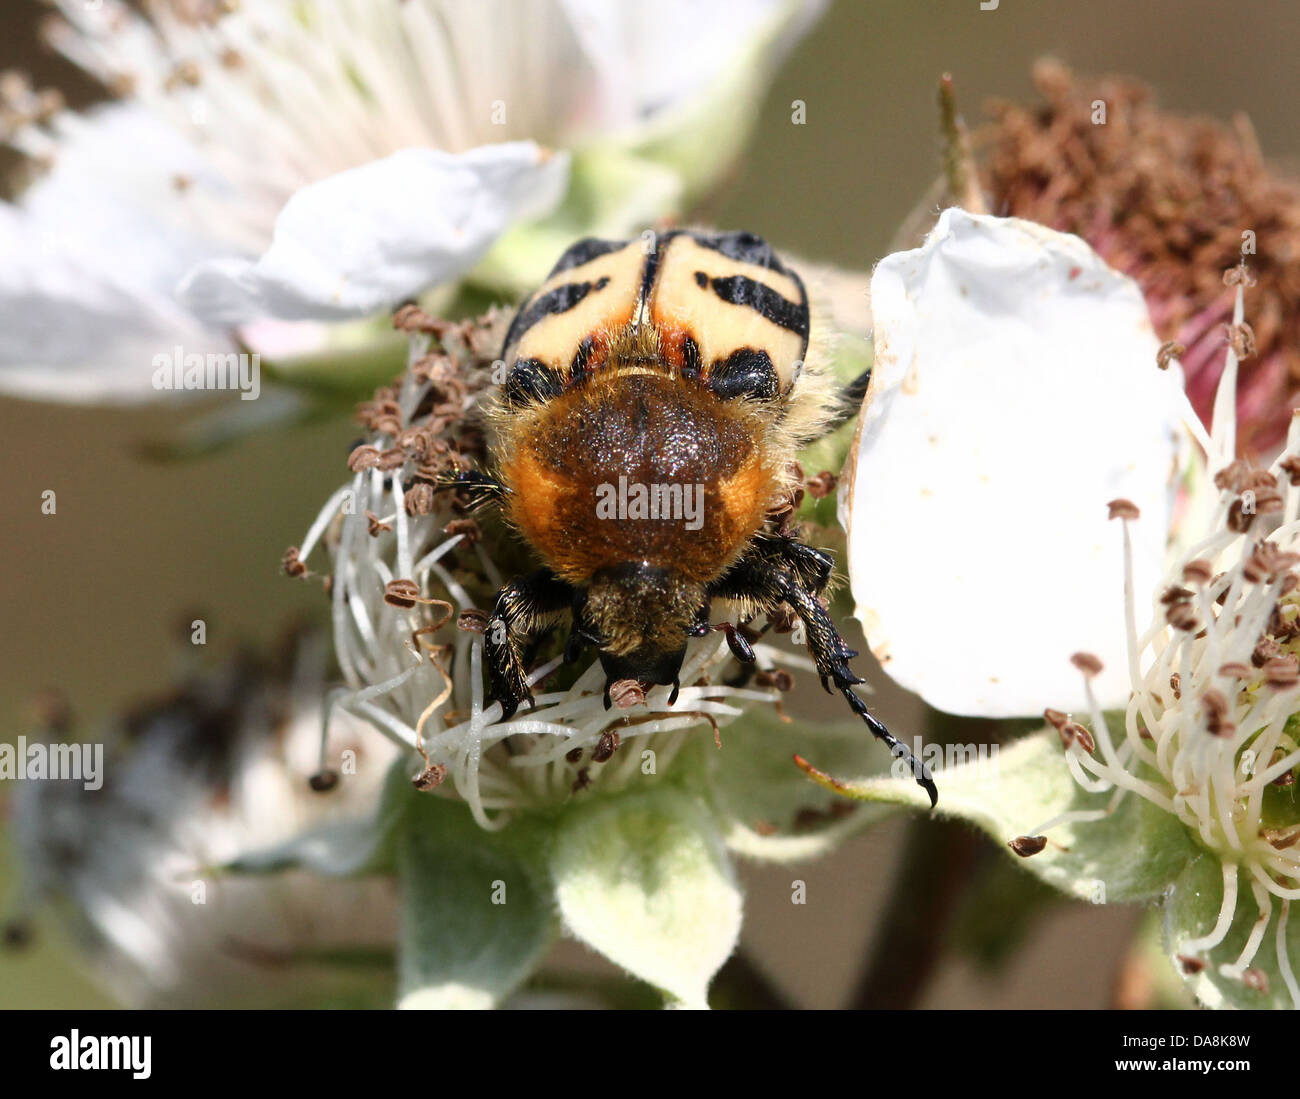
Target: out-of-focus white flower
<point>212,774</point>
<point>251,162</point>
<point>1015,385</point>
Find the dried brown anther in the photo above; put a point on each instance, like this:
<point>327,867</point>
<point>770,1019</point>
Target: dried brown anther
<point>1280,838</point>
<point>1119,508</point>
<point>1169,351</point>
<point>324,781</point>
<point>626,693</point>
<point>1214,704</point>
<point>1251,503</point>
<point>1242,338</point>
<point>472,621</point>
<point>1089,664</point>
<point>1199,571</point>
<point>411,318</point>
<point>606,746</point>
<point>1190,965</point>
<point>1255,979</point>
<point>467,527</point>
<point>1024,846</point>
<point>1265,651</point>
<point>376,525</point>
<point>822,485</point>
<point>363,457</point>
<point>775,677</point>
<point>1267,562</point>
<point>419,499</point>
<point>1234,477</point>
<point>1282,671</point>
<point>402,593</point>
<point>391,459</point>
<point>292,563</point>
<point>1073,733</point>
<point>1238,275</point>
<point>430,778</point>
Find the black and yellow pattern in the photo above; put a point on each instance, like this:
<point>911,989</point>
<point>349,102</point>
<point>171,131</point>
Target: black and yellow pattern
<point>720,307</point>
<point>674,362</point>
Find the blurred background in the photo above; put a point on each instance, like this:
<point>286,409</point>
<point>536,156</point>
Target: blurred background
<point>89,598</point>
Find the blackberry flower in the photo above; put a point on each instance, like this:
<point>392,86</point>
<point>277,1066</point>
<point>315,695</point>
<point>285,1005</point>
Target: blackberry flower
<point>1180,743</point>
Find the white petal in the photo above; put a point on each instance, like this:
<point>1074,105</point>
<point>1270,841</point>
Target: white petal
<point>92,252</point>
<point>650,58</point>
<point>362,240</point>
<point>1015,393</point>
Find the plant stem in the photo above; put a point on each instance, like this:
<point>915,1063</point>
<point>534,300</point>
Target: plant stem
<point>939,862</point>
<point>740,985</point>
<point>911,940</point>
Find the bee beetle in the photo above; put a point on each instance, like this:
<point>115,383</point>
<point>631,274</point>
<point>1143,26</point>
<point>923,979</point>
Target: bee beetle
<point>655,395</point>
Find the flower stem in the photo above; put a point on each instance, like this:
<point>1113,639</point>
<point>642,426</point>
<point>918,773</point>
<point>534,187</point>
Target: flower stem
<point>939,862</point>
<point>740,985</point>
<point>938,857</point>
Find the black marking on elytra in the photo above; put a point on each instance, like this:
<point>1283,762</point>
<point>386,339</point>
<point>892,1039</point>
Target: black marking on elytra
<point>740,290</point>
<point>746,372</point>
<point>531,380</point>
<point>690,358</point>
<point>585,251</point>
<point>560,300</point>
<point>650,270</point>
<point>742,247</point>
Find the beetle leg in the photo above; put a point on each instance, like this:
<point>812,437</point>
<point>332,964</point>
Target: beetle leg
<point>521,609</point>
<point>766,585</point>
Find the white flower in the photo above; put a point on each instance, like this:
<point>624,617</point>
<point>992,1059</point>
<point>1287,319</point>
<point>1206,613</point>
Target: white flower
<point>251,162</point>
<point>1015,386</point>
<point>1209,728</point>
<point>361,240</point>
<point>1189,796</point>
<point>211,775</point>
